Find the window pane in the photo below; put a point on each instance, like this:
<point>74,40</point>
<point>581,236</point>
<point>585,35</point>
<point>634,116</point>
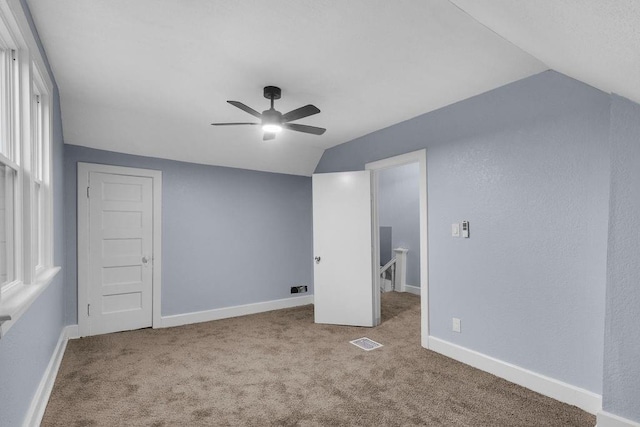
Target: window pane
<point>7,180</point>
<point>37,137</point>
<point>38,225</point>
<point>4,99</point>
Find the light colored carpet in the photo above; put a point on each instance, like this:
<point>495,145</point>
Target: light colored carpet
<point>279,368</point>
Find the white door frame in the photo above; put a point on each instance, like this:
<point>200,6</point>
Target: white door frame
<point>419,157</point>
<point>84,170</point>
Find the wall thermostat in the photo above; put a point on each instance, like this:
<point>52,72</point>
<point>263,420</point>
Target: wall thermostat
<point>465,229</point>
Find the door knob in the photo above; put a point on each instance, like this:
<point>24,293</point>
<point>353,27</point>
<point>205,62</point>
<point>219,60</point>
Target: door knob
<point>317,260</point>
<point>145,260</point>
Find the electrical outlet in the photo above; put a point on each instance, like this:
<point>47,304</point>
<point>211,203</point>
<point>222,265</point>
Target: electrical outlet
<point>299,289</point>
<point>456,325</point>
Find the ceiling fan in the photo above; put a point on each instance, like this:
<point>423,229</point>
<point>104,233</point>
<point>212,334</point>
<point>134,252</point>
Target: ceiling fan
<point>273,121</point>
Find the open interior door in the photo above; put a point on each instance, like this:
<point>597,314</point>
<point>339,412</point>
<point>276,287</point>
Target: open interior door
<point>342,244</point>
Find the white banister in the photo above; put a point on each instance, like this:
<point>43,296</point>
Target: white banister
<point>387,265</point>
<point>391,267</point>
<point>401,269</point>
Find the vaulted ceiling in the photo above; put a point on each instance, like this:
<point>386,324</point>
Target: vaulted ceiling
<point>148,77</point>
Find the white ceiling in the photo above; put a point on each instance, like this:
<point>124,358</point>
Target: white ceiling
<point>149,76</point>
<point>594,41</point>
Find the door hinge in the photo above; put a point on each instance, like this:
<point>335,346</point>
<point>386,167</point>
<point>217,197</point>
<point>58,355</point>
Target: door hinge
<point>88,309</point>
<point>88,192</point>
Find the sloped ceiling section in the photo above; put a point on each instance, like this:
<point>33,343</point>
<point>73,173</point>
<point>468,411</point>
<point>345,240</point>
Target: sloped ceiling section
<point>594,41</point>
<point>149,76</point>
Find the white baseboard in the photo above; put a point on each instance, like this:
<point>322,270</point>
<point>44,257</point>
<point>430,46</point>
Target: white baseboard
<point>235,311</point>
<point>567,393</point>
<point>605,419</point>
<point>412,289</point>
<point>41,397</point>
<point>72,332</point>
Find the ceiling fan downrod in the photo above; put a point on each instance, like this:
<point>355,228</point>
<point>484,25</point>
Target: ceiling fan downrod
<point>272,93</point>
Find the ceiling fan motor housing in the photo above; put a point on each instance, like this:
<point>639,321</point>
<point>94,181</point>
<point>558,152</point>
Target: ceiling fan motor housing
<point>271,116</point>
<point>272,92</point>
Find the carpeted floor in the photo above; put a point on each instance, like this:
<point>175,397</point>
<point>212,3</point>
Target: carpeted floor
<point>279,368</point>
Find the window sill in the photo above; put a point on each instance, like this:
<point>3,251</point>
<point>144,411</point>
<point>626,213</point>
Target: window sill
<point>16,300</point>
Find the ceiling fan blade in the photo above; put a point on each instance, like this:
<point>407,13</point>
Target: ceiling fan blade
<point>304,128</point>
<point>268,136</point>
<point>246,108</point>
<point>233,124</point>
<point>299,113</point>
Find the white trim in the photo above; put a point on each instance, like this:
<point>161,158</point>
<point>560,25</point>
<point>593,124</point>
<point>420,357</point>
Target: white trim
<point>16,300</point>
<point>605,419</point>
<point>72,332</point>
<point>28,38</point>
<point>46,159</point>
<point>84,170</point>
<point>419,156</point>
<point>26,154</point>
<point>412,289</point>
<point>235,311</point>
<point>375,249</point>
<point>41,397</point>
<point>567,393</point>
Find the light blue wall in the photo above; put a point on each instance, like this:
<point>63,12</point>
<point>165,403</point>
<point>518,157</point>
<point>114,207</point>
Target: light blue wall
<point>621,390</point>
<point>399,208</point>
<point>27,348</point>
<point>528,165</point>
<point>229,236</point>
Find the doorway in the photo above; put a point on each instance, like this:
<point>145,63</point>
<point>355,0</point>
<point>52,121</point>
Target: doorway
<point>379,169</point>
<point>399,227</point>
<point>119,248</point>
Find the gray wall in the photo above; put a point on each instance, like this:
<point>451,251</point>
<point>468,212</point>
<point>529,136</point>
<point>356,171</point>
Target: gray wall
<point>229,236</point>
<point>27,348</point>
<point>399,208</point>
<point>528,165</point>
<point>621,390</point>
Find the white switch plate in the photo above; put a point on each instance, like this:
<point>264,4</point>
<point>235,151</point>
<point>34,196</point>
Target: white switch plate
<point>455,230</point>
<point>456,324</point>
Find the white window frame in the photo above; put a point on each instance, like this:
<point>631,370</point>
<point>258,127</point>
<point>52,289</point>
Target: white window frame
<point>41,175</point>
<point>33,272</point>
<point>11,73</point>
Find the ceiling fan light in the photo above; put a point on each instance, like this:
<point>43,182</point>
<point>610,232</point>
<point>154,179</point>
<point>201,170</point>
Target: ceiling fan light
<point>271,128</point>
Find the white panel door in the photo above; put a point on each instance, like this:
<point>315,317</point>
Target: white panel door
<point>342,245</point>
<point>120,252</point>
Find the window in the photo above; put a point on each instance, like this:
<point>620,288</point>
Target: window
<point>9,168</point>
<point>7,266</point>
<point>26,228</point>
<point>37,151</point>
